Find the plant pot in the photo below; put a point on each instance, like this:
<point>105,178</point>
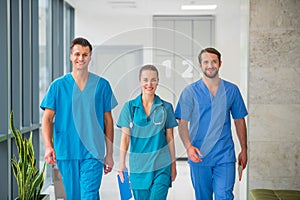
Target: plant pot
<point>58,185</point>
<point>44,197</point>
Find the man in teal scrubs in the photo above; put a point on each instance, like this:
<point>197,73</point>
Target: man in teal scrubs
<point>206,105</point>
<point>79,105</point>
<point>147,123</point>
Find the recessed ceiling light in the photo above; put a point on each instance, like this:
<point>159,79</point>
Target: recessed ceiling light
<point>198,7</point>
<point>122,3</point>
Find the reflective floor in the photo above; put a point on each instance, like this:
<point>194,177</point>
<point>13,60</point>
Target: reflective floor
<point>181,189</point>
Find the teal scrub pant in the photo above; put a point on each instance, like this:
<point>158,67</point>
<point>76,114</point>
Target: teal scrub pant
<point>81,178</point>
<point>218,180</point>
<point>157,191</point>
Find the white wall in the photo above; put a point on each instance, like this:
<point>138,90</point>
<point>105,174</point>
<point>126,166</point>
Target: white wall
<point>101,29</point>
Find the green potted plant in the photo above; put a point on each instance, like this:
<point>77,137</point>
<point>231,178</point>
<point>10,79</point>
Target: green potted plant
<point>29,180</point>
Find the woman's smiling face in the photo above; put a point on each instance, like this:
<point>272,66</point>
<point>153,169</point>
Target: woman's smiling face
<point>148,82</point>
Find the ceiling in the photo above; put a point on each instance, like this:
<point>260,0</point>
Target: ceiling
<point>137,7</point>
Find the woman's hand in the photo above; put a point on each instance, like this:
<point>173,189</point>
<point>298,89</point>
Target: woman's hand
<point>120,171</point>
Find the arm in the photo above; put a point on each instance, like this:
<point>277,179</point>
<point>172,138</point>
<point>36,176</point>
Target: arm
<point>109,139</point>
<point>193,152</point>
<point>47,134</point>
<point>241,131</point>
<point>171,145</point>
<point>125,139</point>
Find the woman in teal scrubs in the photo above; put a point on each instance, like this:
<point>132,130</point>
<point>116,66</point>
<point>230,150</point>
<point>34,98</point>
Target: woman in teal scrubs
<point>147,124</point>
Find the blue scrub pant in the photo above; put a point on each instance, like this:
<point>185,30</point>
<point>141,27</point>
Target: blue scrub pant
<point>218,179</point>
<point>81,178</point>
<point>157,191</point>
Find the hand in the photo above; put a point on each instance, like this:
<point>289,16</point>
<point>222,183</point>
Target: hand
<point>173,171</point>
<point>50,156</point>
<point>121,176</point>
<point>194,154</point>
<point>243,158</point>
<point>240,171</point>
<point>108,164</point>
<point>120,172</point>
<point>242,162</point>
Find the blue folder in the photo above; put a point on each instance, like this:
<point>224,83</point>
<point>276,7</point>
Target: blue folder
<point>125,189</point>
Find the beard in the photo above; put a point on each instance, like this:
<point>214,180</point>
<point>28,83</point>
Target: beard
<point>211,75</point>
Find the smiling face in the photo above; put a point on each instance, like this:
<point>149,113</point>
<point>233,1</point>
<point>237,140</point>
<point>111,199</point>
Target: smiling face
<point>148,82</point>
<point>210,65</point>
<point>80,57</point>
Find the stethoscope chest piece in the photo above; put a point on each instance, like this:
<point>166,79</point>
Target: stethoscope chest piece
<point>162,116</point>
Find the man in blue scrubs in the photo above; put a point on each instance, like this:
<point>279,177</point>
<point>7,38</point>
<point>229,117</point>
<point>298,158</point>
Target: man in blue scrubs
<point>79,105</point>
<point>206,105</point>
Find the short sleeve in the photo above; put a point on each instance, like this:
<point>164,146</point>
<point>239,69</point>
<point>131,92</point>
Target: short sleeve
<point>110,100</point>
<point>238,108</point>
<point>125,116</point>
<point>49,100</point>
<point>171,120</point>
<point>185,104</point>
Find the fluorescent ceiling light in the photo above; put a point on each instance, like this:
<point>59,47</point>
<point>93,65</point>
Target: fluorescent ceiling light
<point>198,7</point>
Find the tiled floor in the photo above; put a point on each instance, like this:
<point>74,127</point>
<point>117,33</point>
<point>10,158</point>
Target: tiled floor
<point>181,189</point>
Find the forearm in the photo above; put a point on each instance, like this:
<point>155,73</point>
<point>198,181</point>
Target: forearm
<point>241,131</point>
<point>109,133</point>
<point>125,139</point>
<point>47,134</point>
<point>171,145</point>
<point>47,129</point>
<point>184,133</point>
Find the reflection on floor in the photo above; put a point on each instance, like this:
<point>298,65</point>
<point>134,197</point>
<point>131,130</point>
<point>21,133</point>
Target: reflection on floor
<point>181,189</point>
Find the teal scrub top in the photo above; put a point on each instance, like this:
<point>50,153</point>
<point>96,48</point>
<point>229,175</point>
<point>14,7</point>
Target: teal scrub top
<point>211,114</point>
<point>149,152</point>
<point>79,116</point>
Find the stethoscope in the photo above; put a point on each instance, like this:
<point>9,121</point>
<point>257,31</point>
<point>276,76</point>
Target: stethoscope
<point>157,123</point>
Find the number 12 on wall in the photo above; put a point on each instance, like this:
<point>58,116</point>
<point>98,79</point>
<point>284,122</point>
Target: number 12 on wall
<point>187,64</point>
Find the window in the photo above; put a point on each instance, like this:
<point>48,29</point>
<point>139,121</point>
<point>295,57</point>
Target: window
<point>69,35</point>
<point>45,69</point>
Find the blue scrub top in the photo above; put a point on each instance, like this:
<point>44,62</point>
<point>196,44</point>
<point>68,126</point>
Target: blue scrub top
<point>79,116</point>
<point>149,151</point>
<point>196,104</point>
